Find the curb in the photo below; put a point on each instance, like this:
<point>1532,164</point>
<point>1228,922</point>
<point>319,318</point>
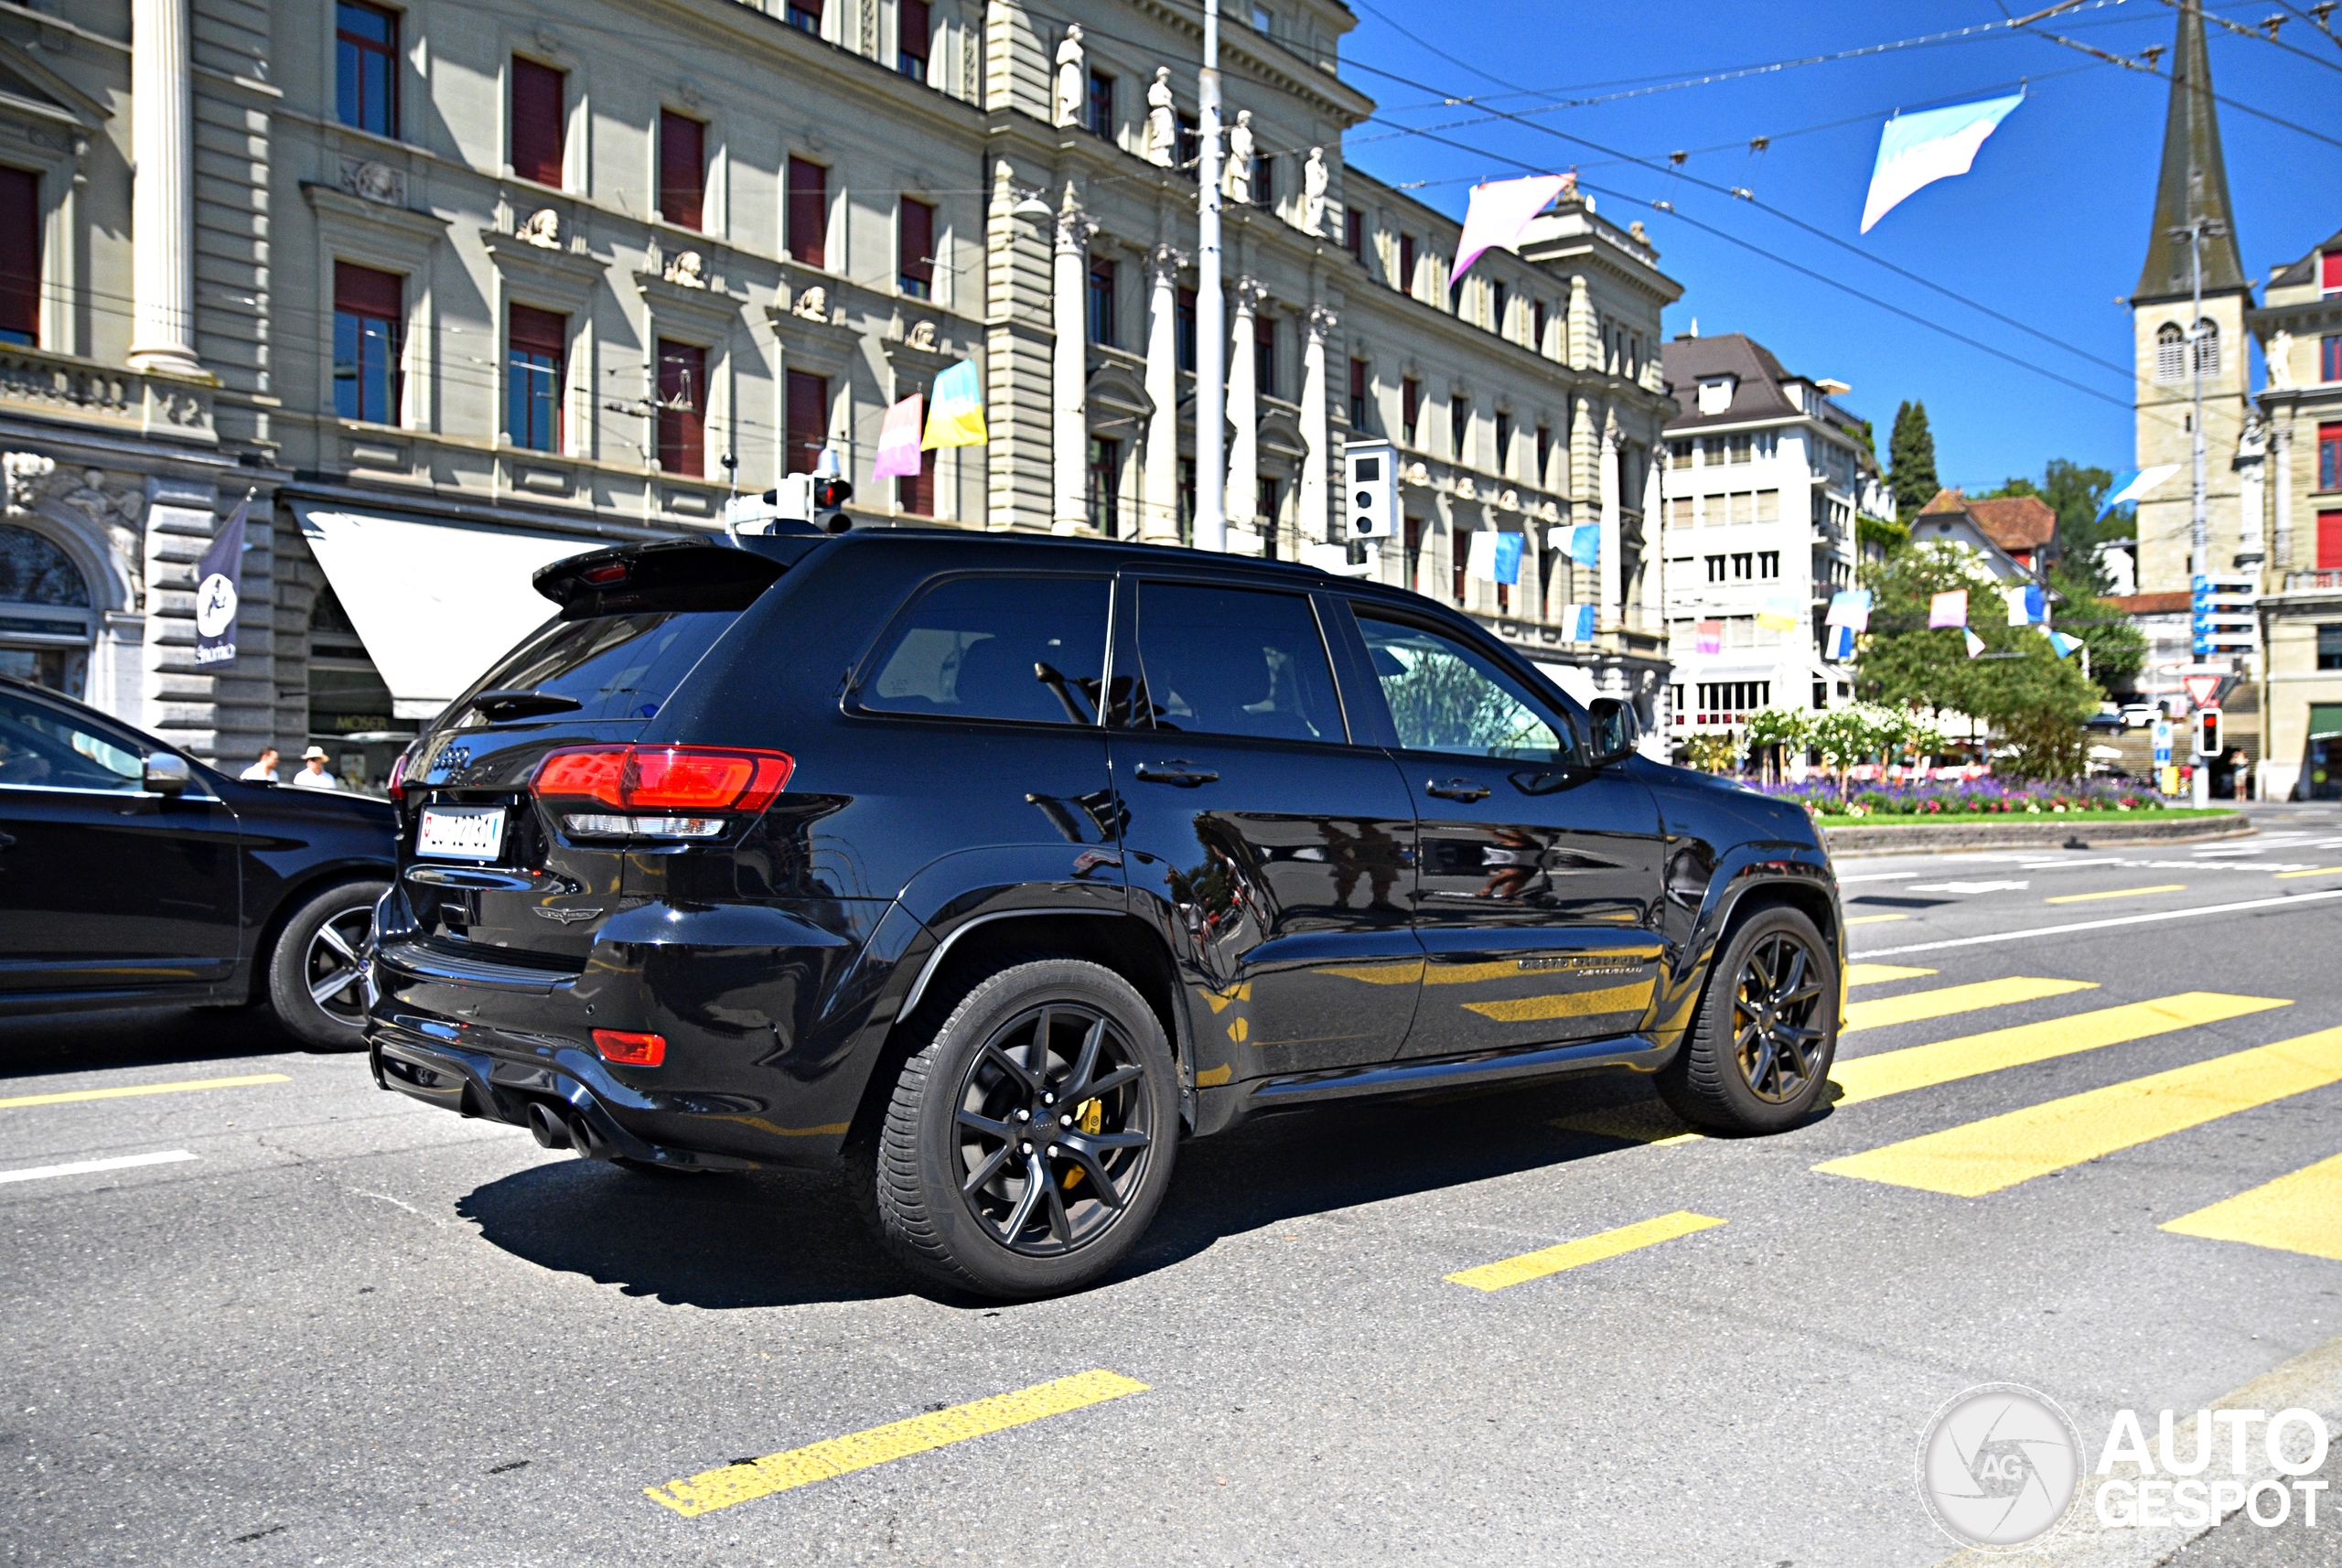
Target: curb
<point>2311,1380</point>
<point>2031,834</point>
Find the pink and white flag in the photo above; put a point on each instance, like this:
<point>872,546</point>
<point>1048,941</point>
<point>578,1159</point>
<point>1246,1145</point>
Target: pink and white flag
<point>1499,212</point>
<point>899,442</point>
<point>1949,609</point>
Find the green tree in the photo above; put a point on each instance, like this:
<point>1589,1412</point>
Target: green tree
<point>1911,460</point>
<point>1775,733</point>
<point>2076,493</point>
<point>2033,700</point>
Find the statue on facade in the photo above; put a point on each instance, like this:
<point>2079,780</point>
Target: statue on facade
<point>1236,181</point>
<point>922,335</point>
<point>688,270</point>
<point>1162,120</point>
<point>812,304</point>
<point>2279,357</point>
<point>1313,193</point>
<point>542,229</point>
<point>1072,79</point>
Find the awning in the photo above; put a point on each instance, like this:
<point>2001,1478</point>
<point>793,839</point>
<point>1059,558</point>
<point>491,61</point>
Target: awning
<point>435,602</point>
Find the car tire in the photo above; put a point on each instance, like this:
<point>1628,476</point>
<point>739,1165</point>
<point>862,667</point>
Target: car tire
<point>314,972</point>
<point>970,1196</point>
<point>1757,1058</point>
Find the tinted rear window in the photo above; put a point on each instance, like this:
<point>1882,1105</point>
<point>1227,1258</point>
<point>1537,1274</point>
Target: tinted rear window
<point>614,666</point>
<point>1236,662</point>
<point>1024,648</point>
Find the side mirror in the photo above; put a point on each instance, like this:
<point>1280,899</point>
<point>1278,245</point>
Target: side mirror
<point>165,774</point>
<point>1614,731</point>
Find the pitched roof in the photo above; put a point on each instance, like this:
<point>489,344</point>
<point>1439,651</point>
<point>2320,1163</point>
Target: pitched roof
<point>2194,182</point>
<point>2305,270</point>
<point>2152,604</point>
<point>2015,524</point>
<point>1952,500</point>
<point>1757,376</point>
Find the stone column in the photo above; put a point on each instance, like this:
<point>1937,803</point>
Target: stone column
<point>1159,514</point>
<point>1069,369</point>
<point>162,209</point>
<point>2280,465</point>
<point>1607,591</point>
<point>1243,410</point>
<point>1316,440</point>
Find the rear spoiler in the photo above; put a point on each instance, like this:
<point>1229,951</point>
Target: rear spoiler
<point>673,574</point>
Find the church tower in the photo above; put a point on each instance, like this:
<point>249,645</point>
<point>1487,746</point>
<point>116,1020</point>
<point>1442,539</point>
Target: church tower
<point>2192,227</point>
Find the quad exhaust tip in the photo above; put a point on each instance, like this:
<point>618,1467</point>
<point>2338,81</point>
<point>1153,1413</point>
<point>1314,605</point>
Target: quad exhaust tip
<point>555,1127</point>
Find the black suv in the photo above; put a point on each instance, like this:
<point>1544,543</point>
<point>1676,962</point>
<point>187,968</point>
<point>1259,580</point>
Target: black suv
<point>992,865</point>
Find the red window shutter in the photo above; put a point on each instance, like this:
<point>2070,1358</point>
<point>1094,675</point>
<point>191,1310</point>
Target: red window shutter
<point>916,240</point>
<point>535,331</point>
<point>2329,542</point>
<point>683,408</point>
<point>20,256</point>
<point>809,421</point>
<point>537,122</point>
<point>809,212</point>
<point>913,29</point>
<point>683,170</point>
<point>369,292</point>
<point>2330,272</point>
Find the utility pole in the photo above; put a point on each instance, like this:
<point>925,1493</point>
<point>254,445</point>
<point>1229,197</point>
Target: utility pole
<point>2199,535</point>
<point>1211,326</point>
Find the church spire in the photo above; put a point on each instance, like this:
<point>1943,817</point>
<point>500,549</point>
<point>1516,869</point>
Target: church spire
<point>2194,182</point>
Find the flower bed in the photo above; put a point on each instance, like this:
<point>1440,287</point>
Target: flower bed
<point>1975,798</point>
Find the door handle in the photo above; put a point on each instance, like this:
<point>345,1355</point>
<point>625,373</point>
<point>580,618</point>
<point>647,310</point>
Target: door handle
<point>1455,790</point>
<point>1178,771</point>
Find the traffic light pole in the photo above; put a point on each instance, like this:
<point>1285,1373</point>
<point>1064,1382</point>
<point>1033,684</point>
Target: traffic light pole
<point>2199,533</point>
<point>1211,327</point>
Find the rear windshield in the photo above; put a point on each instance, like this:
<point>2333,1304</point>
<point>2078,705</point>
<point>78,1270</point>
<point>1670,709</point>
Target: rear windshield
<point>613,667</point>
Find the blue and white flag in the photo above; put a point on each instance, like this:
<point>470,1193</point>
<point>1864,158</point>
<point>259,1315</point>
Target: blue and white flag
<point>1577,623</point>
<point>2063,644</point>
<point>1916,150</point>
<point>1508,558</point>
<point>1585,544</point>
<point>2133,484</point>
<point>2028,605</point>
<point>219,588</point>
<point>1849,608</point>
<point>1841,645</point>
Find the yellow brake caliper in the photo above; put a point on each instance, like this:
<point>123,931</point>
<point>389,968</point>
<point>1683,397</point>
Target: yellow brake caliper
<point>1089,1119</point>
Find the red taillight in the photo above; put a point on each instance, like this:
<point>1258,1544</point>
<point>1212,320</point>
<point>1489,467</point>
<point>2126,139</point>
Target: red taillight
<point>630,1050</point>
<point>397,786</point>
<point>664,778</point>
<point>608,571</point>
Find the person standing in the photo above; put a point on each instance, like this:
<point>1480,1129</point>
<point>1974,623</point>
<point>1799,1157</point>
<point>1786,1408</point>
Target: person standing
<point>2239,775</point>
<point>263,769</point>
<point>313,774</point>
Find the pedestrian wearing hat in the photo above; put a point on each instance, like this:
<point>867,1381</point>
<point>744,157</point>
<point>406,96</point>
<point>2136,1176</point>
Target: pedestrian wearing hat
<point>313,774</point>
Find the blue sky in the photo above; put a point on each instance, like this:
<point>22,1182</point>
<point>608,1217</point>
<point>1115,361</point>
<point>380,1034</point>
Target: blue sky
<point>2049,227</point>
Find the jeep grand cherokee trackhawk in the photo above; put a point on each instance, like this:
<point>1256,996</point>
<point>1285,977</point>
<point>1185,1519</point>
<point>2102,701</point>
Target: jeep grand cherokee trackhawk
<point>993,866</point>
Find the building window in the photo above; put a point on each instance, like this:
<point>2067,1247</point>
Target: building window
<point>2329,648</point>
<point>683,408</point>
<point>914,249</point>
<point>683,170</point>
<point>1544,455</point>
<point>21,258</point>
<point>2330,272</point>
<point>809,212</point>
<point>1100,122</point>
<point>1183,328</point>
<point>1358,395</point>
<point>1354,233</point>
<point>1742,566</point>
<point>537,349</point>
<point>1716,568</point>
<point>1406,278</point>
<point>914,30</point>
<point>2329,541</point>
<point>1498,300</point>
<point>1679,453</point>
<point>539,124</point>
<point>1739,446</point>
<point>1105,484</point>
<point>2207,346</point>
<point>2329,457</point>
<point>805,16</point>
<point>1459,426</point>
<point>369,319</point>
<point>1186,500</point>
<point>366,68</point>
<point>1768,562</point>
<point>1459,557</point>
<point>1731,702</point>
<point>1188,145</point>
<point>808,422</point>
<point>1262,20</point>
<point>1537,324</point>
<point>2171,352</point>
<point>1101,301</point>
<point>2329,355</point>
<point>1264,180</point>
<point>46,633</point>
<point>1504,443</point>
<point>1415,546</point>
<point>1266,509</point>
<point>1264,356</point>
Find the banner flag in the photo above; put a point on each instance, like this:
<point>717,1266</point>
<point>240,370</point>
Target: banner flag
<point>1708,636</point>
<point>1585,544</point>
<point>1480,558</point>
<point>1577,623</point>
<point>2063,644</point>
<point>1499,211</point>
<point>956,418</point>
<point>219,587</point>
<point>1975,643</point>
<point>1949,609</point>
<point>1508,558</point>
<point>2133,484</point>
<point>1780,612</point>
<point>1841,642</point>
<point>899,443</point>
<point>2027,604</point>
<point>1849,608</point>
<point>1916,150</point>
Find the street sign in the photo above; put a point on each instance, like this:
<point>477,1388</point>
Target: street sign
<point>2163,743</point>
<point>2200,688</point>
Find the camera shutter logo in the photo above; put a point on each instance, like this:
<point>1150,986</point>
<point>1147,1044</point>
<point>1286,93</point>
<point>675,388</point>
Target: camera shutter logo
<point>1999,1465</point>
<point>218,580</point>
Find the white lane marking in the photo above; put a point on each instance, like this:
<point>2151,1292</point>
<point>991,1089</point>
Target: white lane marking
<point>1968,886</point>
<point>1880,877</point>
<point>2100,925</point>
<point>2068,864</point>
<point>84,1168</point>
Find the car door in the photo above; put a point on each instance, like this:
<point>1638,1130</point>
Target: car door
<point>1274,852</point>
<point>1537,879</point>
<point>105,884</point>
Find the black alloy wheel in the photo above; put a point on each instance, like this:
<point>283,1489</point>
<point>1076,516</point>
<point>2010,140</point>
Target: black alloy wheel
<point>1054,1124</point>
<point>316,977</point>
<point>335,964</point>
<point>1775,1003</point>
<point>1757,1058</point>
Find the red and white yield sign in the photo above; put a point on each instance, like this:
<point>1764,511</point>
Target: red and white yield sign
<point>2200,687</point>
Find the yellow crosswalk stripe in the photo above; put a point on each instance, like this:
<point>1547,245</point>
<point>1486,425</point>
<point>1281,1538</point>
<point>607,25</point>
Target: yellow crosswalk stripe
<point>2001,1151</point>
<point>129,1090</point>
<point>713,1489</point>
<point>1923,1066</point>
<point>2296,1213</point>
<point>1874,920</point>
<point>1944,1001</point>
<point>1584,1249</point>
<point>2116,893</point>
<point>2312,871</point>
<point>1880,973</point>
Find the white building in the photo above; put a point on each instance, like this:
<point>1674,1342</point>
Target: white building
<point>1765,478</point>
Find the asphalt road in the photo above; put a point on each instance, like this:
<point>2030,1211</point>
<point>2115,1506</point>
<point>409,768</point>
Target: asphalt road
<point>336,1327</point>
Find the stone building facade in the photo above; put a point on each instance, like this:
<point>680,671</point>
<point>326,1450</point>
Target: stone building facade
<point>450,291</point>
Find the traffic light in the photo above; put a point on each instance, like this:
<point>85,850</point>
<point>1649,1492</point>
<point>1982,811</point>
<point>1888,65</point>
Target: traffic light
<point>830,492</point>
<point>1371,481</point>
<point>2207,732</point>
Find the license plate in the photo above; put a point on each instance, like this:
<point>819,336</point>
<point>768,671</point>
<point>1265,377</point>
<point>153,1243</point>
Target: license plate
<point>460,832</point>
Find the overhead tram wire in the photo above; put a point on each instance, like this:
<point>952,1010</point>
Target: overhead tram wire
<point>2162,75</point>
<point>2269,39</point>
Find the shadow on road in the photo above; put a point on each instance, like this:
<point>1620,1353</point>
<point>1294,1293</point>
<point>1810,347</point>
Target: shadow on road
<point>786,1239</point>
<point>77,1042</point>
